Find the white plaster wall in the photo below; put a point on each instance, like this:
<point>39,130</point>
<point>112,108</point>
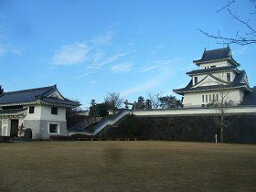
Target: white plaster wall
<point>43,112</point>
<point>6,125</point>
<point>46,114</point>
<point>210,81</point>
<point>195,99</point>
<point>192,99</point>
<point>217,64</point>
<point>36,115</point>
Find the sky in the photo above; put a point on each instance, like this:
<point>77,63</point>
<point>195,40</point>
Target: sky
<point>90,48</point>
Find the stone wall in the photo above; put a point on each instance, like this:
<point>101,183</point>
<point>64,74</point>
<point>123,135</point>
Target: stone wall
<point>239,128</point>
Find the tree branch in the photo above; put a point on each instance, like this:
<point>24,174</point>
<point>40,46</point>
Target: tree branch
<point>230,40</point>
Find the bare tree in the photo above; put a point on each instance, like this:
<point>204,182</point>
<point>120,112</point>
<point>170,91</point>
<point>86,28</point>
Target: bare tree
<point>154,98</point>
<point>114,101</point>
<point>246,38</point>
<point>221,104</point>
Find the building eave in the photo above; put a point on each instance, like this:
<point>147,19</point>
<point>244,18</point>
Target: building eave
<point>40,102</point>
<point>12,114</point>
<point>194,90</point>
<point>207,71</point>
<point>230,59</point>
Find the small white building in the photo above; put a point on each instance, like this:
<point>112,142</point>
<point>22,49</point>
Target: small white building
<point>218,79</point>
<point>42,110</point>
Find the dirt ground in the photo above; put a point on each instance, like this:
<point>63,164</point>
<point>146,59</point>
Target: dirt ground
<point>126,166</point>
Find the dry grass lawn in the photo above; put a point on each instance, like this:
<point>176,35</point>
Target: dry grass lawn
<point>127,166</point>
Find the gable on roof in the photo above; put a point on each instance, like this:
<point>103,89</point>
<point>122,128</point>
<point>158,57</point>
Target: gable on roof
<point>209,80</point>
<point>56,94</point>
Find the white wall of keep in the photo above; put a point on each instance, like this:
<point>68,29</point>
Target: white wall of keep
<point>210,81</point>
<point>217,64</point>
<point>196,99</point>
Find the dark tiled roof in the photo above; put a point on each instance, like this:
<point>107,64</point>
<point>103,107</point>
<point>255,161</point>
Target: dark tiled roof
<point>250,98</point>
<point>210,70</point>
<point>234,84</point>
<point>31,95</point>
<point>217,54</point>
<point>25,95</point>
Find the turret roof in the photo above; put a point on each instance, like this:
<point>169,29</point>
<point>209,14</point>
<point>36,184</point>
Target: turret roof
<point>211,70</point>
<point>216,55</point>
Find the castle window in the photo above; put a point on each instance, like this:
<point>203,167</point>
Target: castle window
<point>210,98</point>
<point>217,97</point>
<point>213,97</point>
<point>203,98</point>
<point>206,98</point>
<point>31,109</point>
<point>195,80</point>
<point>54,110</point>
<point>228,76</point>
<point>53,128</point>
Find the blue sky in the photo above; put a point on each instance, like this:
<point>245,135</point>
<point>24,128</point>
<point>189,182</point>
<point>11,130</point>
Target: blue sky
<point>92,47</point>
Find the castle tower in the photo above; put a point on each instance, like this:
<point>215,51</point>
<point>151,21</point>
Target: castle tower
<point>218,79</point>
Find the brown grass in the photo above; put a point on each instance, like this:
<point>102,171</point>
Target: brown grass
<point>127,166</point>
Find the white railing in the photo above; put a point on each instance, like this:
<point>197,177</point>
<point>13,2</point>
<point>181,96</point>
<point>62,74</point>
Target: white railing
<point>111,121</point>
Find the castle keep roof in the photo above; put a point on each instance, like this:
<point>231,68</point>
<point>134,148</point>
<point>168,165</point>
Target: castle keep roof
<point>213,70</point>
<point>216,55</point>
<point>234,84</point>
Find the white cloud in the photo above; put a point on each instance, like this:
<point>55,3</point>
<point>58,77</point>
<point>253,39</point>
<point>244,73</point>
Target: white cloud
<point>92,81</point>
<point>87,50</point>
<point>71,54</point>
<point>151,67</point>
<point>105,61</point>
<point>161,64</point>
<point>7,48</point>
<point>94,53</point>
<point>2,50</point>
<point>150,84</point>
<point>120,68</point>
<point>105,38</point>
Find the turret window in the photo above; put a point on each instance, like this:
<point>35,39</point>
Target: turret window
<point>195,80</point>
<point>228,76</point>
<point>54,110</point>
<point>31,109</point>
